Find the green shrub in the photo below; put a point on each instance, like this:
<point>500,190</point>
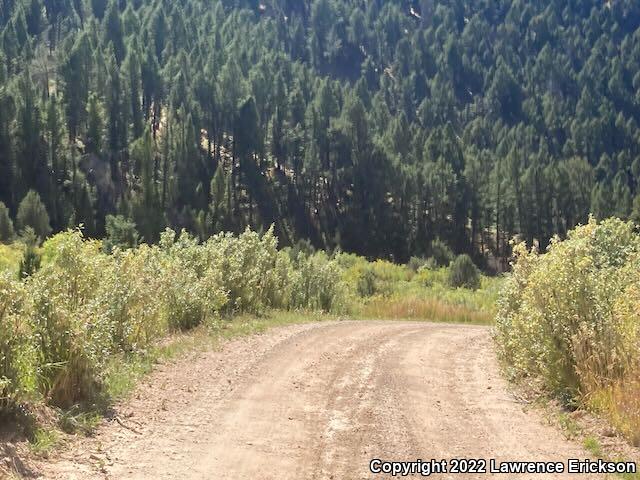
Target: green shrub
<point>10,257</point>
<point>121,233</point>
<point>73,331</point>
<point>440,253</point>
<point>316,284</point>
<point>30,262</point>
<point>251,270</point>
<point>193,286</point>
<point>180,292</point>
<point>416,263</point>
<point>464,273</point>
<point>17,347</point>
<point>60,326</point>
<point>367,283</point>
<point>301,246</point>
<point>431,264</point>
<point>568,318</point>
<point>130,294</point>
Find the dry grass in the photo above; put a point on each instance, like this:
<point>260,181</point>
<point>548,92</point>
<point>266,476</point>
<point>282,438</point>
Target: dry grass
<point>620,404</point>
<point>430,309</point>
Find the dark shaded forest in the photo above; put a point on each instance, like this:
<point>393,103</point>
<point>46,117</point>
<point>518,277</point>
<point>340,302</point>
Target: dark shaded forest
<point>372,126</point>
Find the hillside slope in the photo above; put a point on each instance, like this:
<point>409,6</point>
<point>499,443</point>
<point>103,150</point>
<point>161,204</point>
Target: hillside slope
<point>467,120</point>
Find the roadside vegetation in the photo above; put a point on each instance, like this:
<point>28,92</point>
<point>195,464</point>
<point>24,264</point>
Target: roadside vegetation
<point>62,325</point>
<point>568,322</point>
<point>421,290</point>
<point>82,320</point>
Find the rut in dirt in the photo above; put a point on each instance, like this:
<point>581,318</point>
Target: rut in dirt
<point>320,402</point>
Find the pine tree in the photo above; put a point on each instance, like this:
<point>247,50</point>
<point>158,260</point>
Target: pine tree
<point>146,208</point>
<point>131,67</point>
<point>55,136</point>
<point>7,233</point>
<point>117,118</point>
<point>32,213</point>
<point>34,17</point>
<point>99,8</point>
<point>75,71</point>
<point>7,167</point>
<point>31,157</point>
<point>121,233</point>
<point>218,208</point>
<point>95,128</point>
<point>84,208</point>
<point>113,31</point>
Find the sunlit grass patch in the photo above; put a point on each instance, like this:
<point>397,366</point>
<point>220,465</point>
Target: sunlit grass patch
<point>620,404</point>
<point>428,297</point>
<point>430,309</point>
<point>592,444</point>
<point>569,426</point>
<point>398,292</point>
<point>43,441</point>
<point>10,256</point>
<point>251,324</point>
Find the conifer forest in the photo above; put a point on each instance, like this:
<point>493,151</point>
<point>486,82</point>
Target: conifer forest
<point>375,127</point>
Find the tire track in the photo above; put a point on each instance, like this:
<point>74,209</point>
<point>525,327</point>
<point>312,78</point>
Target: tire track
<point>319,402</point>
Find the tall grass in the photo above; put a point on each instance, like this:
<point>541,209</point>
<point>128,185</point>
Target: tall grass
<point>620,402</point>
<point>432,309</point>
<point>570,320</point>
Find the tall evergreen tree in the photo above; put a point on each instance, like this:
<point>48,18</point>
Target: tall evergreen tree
<point>33,214</point>
<point>7,233</point>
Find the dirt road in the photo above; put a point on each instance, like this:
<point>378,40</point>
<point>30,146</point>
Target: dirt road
<point>319,402</point>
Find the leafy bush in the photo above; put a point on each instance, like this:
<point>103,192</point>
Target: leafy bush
<point>301,246</point>
<point>251,270</point>
<point>60,326</point>
<point>416,263</point>
<point>30,262</point>
<point>10,257</point>
<point>121,233</point>
<point>430,276</point>
<point>367,283</point>
<point>367,279</point>
<point>74,333</point>
<point>17,352</point>
<point>464,273</point>
<point>130,294</point>
<point>569,318</point>
<point>317,284</point>
<point>190,290</point>
<point>440,253</point>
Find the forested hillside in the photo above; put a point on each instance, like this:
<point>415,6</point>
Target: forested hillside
<point>375,126</point>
